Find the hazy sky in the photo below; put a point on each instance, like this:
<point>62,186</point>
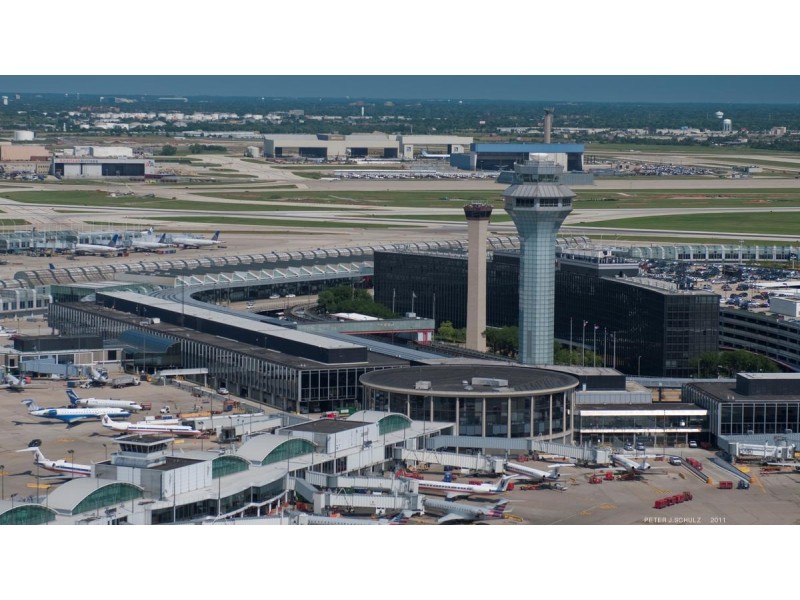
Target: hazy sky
<point>595,88</point>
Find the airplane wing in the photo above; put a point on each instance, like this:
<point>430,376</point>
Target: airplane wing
<point>453,519</point>
<point>457,495</point>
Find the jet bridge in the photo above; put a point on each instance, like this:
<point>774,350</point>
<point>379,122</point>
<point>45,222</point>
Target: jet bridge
<point>480,463</point>
<point>383,494</point>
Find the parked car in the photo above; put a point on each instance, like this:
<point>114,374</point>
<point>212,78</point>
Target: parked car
<point>692,444</point>
<point>675,460</point>
<point>223,391</point>
<point>628,446</point>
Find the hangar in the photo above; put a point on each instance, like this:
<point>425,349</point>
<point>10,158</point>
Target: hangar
<point>332,146</point>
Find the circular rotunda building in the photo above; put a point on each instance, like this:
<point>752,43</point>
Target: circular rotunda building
<point>481,400</point>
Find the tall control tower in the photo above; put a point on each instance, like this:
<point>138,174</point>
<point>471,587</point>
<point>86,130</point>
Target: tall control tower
<point>538,204</point>
<point>478,224</point>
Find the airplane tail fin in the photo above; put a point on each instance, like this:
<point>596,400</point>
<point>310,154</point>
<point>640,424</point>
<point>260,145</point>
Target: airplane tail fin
<point>106,420</point>
<point>502,486</point>
<point>215,237</point>
<point>163,238</point>
<point>38,457</point>
<point>497,510</point>
<point>51,266</point>
<point>73,398</point>
<point>31,404</point>
<point>113,242</point>
<point>400,518</point>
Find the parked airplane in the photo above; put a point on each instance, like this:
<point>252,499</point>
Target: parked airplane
<point>70,415</point>
<point>58,466</point>
<point>629,465</point>
<point>97,248</point>
<point>151,427</point>
<point>537,475</point>
<point>464,513</point>
<point>16,384</point>
<point>188,241</point>
<point>464,490</point>
<point>75,400</point>
<point>150,245</point>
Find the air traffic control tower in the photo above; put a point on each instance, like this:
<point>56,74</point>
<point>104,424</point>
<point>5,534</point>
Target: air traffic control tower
<point>538,205</point>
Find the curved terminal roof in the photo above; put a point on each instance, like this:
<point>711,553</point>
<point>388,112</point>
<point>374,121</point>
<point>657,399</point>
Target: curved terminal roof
<point>71,494</point>
<point>374,416</point>
<point>258,448</point>
<point>449,380</point>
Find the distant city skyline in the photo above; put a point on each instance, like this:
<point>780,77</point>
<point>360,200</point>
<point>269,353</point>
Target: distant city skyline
<point>727,89</point>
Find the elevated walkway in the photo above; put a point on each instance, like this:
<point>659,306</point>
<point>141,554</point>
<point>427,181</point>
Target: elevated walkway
<point>480,463</point>
<point>579,454</point>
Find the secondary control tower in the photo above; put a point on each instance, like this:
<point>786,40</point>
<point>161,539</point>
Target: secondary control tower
<point>538,205</point>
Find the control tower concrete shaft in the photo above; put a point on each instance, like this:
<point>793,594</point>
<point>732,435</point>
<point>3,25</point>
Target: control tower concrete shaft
<point>478,216</point>
<point>538,205</point>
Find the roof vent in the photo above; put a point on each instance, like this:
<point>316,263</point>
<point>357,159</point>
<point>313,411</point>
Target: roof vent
<point>422,385</point>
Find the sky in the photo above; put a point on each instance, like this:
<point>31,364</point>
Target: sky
<point>576,88</point>
<point>611,51</point>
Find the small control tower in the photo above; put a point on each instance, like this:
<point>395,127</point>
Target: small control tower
<point>478,216</point>
<point>538,205</point>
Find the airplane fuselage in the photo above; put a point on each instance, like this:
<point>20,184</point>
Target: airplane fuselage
<point>69,415</point>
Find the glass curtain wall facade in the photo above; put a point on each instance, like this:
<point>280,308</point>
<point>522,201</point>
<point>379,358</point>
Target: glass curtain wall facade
<point>499,416</point>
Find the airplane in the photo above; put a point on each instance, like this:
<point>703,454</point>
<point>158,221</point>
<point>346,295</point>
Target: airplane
<point>425,154</point>
<point>15,384</point>
<point>537,475</point>
<point>629,465</point>
<point>70,415</point>
<point>75,400</point>
<point>59,466</point>
<point>464,490</point>
<point>151,427</point>
<point>149,245</point>
<point>463,513</point>
<point>195,242</point>
<point>97,248</point>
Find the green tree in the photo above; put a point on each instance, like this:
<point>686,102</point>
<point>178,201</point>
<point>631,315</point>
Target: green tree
<point>168,150</point>
<point>448,333</point>
<point>344,298</point>
<point>503,340</point>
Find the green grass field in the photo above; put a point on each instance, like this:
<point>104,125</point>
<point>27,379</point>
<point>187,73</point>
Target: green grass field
<point>103,200</point>
<point>690,198</point>
<point>768,223</point>
<point>455,218</point>
<point>280,222</point>
<point>421,199</point>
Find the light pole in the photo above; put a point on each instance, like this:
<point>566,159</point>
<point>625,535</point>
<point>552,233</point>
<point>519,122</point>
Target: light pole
<point>583,345</point>
<point>594,347</point>
<point>14,495</point>
<point>639,366</point>
<point>105,450</point>
<point>72,460</point>
<point>2,482</point>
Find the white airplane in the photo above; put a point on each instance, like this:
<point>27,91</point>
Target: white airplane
<point>97,248</point>
<point>537,475</point>
<point>464,490</point>
<point>58,466</point>
<point>150,245</point>
<point>463,513</point>
<point>75,400</point>
<point>188,241</point>
<point>70,415</point>
<point>151,427</point>
<point>629,465</point>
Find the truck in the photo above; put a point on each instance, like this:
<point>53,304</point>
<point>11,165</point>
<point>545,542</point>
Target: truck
<point>124,381</point>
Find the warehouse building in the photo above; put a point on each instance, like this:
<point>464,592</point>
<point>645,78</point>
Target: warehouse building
<point>503,156</point>
<point>331,146</point>
<point>86,167</point>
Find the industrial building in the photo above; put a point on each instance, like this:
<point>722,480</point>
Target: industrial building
<point>24,158</point>
<point>331,146</point>
<point>503,156</point>
<point>86,167</point>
